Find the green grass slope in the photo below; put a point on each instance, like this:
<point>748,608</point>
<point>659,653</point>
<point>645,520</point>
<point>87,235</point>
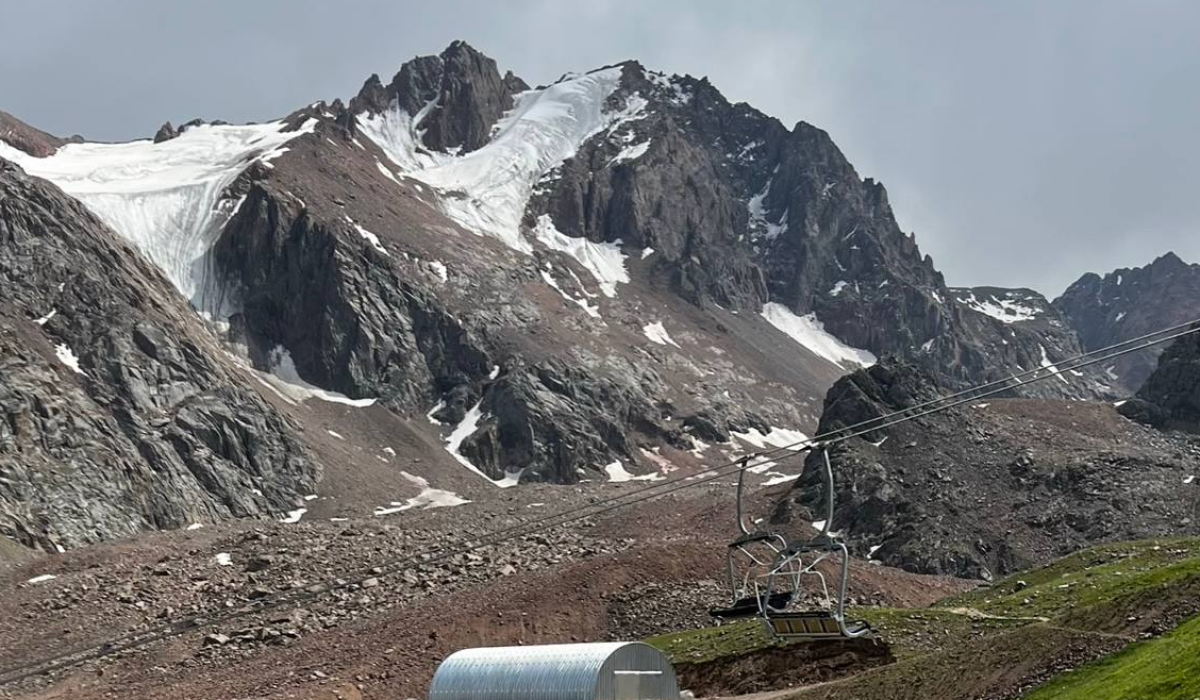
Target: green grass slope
<point>1166,668</point>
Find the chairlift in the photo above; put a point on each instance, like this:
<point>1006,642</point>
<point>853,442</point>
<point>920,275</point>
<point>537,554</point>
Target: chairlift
<point>779,591</point>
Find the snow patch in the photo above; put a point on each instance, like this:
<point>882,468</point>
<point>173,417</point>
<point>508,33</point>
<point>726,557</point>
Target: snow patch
<point>397,134</point>
<point>339,436</point>
<point>777,478</point>
<point>630,153</point>
<point>838,287</point>
<point>810,333</point>
<point>439,269</point>
<point>46,319</point>
<point>1189,478</point>
<point>466,427</point>
<point>165,198</point>
<point>428,498</point>
<point>592,310</point>
<point>758,215</point>
<point>605,261</point>
<point>67,356</point>
<point>223,559</point>
<point>658,334</point>
<point>294,516</point>
<point>42,579</point>
<point>775,437</point>
<point>368,236</point>
<point>283,377</point>
<point>1008,309</point>
<point>1047,364</point>
<point>387,173</point>
<point>194,526</point>
<point>437,407</point>
<point>617,474</point>
<point>647,252</point>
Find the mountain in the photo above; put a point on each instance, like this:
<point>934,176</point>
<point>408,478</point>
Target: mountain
<point>613,276</point>
<point>1129,303</point>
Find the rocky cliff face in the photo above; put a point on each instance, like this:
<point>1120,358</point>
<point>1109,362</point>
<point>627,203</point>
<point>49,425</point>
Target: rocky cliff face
<point>1129,303</point>
<point>117,413</point>
<point>1170,398</point>
<point>743,211</point>
<point>988,488</point>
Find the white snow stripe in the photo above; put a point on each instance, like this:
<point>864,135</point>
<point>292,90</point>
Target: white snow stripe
<point>811,333</point>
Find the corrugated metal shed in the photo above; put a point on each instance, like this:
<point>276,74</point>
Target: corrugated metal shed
<point>607,671</point>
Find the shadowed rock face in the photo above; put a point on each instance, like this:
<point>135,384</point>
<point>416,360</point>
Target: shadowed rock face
<point>1129,303</point>
<point>1170,398</point>
<point>988,488</point>
<point>153,430</point>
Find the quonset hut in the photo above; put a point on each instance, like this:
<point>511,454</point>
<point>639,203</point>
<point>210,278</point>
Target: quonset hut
<point>607,671</point>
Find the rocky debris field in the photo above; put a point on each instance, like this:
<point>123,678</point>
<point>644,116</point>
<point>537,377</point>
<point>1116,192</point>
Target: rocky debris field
<point>624,576</point>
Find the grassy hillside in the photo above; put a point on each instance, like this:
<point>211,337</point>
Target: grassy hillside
<point>1091,606</point>
<point>1167,668</point>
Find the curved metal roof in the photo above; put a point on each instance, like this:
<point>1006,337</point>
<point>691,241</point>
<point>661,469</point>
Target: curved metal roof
<point>603,671</point>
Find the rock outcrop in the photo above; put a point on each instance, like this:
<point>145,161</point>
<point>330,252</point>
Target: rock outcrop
<point>985,489</point>
<point>1170,398</point>
<point>458,94</point>
<point>117,412</point>
<point>166,132</point>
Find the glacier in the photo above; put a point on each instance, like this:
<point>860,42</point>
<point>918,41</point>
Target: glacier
<point>166,198</point>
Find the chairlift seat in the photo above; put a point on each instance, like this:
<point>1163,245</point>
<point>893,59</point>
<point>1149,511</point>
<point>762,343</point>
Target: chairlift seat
<point>813,625</point>
<point>750,606</point>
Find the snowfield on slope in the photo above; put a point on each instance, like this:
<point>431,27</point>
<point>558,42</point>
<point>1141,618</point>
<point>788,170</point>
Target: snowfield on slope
<point>164,198</point>
<point>486,191</point>
<point>1007,310</point>
<point>811,333</point>
<point>428,498</point>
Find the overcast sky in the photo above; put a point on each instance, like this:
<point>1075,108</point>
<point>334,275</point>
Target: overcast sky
<point>1024,142</point>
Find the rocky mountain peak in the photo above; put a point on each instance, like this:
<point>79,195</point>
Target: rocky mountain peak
<point>1128,303</point>
<point>454,98</point>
